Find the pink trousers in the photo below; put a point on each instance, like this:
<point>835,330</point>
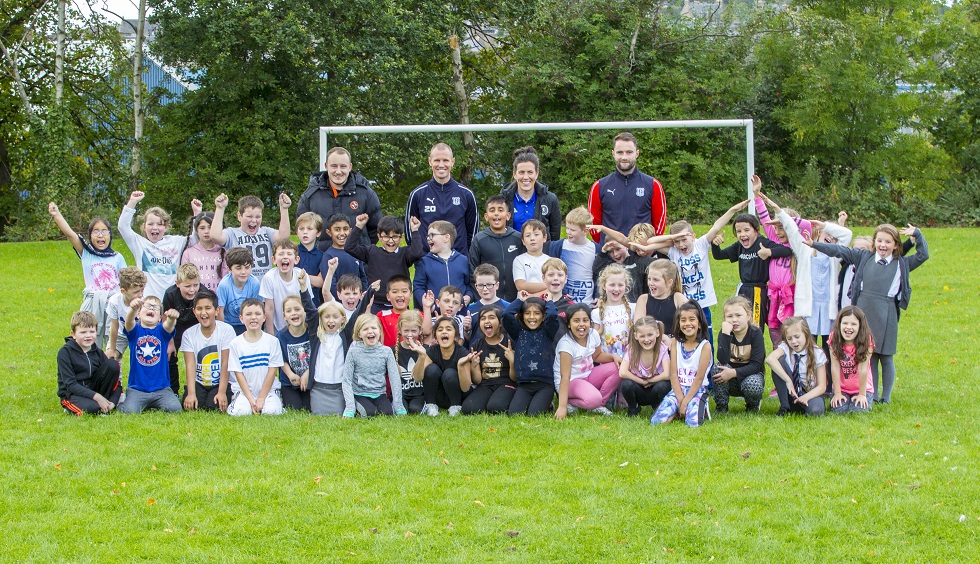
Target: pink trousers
<point>596,389</point>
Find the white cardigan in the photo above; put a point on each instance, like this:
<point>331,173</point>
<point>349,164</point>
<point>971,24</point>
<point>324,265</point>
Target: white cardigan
<point>803,294</point>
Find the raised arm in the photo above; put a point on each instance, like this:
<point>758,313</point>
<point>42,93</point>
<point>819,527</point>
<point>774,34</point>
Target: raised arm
<point>283,232</point>
<point>722,221</point>
<point>217,225</point>
<point>59,220</point>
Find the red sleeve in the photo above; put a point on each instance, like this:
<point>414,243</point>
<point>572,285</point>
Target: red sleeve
<point>595,208</point>
<point>658,208</point>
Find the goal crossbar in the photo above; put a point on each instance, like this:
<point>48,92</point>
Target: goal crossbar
<point>325,131</point>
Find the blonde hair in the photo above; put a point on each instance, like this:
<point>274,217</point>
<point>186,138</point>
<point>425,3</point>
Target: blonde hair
<point>641,232</point>
<point>809,345</point>
<point>554,263</point>
<point>187,271</point>
<point>739,301</point>
<point>291,298</point>
<point>579,217</point>
<point>157,211</point>
<point>321,332</point>
<point>131,277</point>
<point>681,227</point>
<point>310,218</point>
<point>668,269</point>
<point>634,344</point>
<point>409,317</point>
<point>364,320</point>
<point>865,239</point>
<point>83,319</point>
<point>614,269</point>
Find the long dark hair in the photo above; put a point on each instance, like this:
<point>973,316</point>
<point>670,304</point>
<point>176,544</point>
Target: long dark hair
<point>702,334</point>
<point>862,341</point>
<point>194,223</point>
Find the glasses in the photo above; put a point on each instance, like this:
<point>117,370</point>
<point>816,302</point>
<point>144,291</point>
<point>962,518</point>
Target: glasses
<point>102,232</point>
<point>151,307</point>
<point>393,237</point>
<point>431,236</point>
<point>485,286</point>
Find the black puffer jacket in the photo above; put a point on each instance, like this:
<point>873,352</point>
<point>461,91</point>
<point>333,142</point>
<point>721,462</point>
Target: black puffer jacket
<point>356,198</point>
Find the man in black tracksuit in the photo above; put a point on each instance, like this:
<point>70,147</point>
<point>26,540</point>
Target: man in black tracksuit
<point>338,190</point>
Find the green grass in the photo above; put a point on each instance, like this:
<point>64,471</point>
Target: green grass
<point>889,486</point>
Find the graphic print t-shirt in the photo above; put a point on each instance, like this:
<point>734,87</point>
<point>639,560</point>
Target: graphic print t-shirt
<point>207,351</point>
<point>148,367</point>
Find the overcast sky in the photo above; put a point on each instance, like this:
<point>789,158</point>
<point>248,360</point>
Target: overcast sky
<point>125,8</point>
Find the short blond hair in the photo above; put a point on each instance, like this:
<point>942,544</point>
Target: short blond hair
<point>641,232</point>
<point>83,319</point>
<point>187,271</point>
<point>310,218</point>
<point>554,263</point>
<point>321,332</point>
<point>579,217</point>
<point>131,277</point>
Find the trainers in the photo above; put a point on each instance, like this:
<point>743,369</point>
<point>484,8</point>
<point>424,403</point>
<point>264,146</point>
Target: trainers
<point>430,409</point>
<point>571,409</point>
<point>454,410</point>
<point>602,410</point>
<point>772,393</point>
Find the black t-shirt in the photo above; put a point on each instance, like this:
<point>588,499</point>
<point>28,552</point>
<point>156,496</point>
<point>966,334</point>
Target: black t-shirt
<point>751,268</point>
<point>435,355</point>
<point>406,359</point>
<point>173,300</point>
<point>493,361</point>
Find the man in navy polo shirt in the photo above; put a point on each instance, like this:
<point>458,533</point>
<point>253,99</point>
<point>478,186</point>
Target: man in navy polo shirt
<point>627,197</point>
<point>442,198</point>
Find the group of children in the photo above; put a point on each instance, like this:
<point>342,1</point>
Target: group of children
<point>521,325</point>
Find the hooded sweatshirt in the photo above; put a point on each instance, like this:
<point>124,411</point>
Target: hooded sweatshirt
<point>500,250</point>
<point>433,272</point>
<point>76,367</point>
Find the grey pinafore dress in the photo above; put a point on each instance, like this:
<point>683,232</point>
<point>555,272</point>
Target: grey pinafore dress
<point>881,310</point>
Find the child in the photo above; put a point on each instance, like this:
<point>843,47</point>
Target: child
<point>180,297</point>
<point>156,253</point>
<point>409,333</point>
<point>367,363</point>
<point>586,376</point>
<point>308,228</point>
<point>338,226</point>
<point>753,252</point>
<point>205,254</point>
<point>846,276</point>
<point>615,250</point>
<point>497,245</point>
<point>527,266</point>
<point>438,369</point>
<point>532,324</point>
<point>487,279</point>
<point>294,342</point>
<point>442,266</point>
<point>100,266</point>
<point>88,380</point>
<point>691,255</point>
<point>741,354</point>
<point>690,361</point>
<point>388,260</point>
<point>398,298</point>
<point>555,275</point>
<point>327,352</point>
<point>254,359</point>
<point>450,304</point>
<point>816,274</point>
<point>236,287</point>
<point>664,281</point>
<point>282,281</point>
<point>491,368</point>
<point>799,370</point>
<point>149,374</point>
<point>613,315</point>
<point>645,379</point>
<point>578,252</point>
<point>881,289</point>
<point>250,233</point>
<point>851,348</point>
<point>205,348</point>
<point>349,290</point>
<point>132,281</point>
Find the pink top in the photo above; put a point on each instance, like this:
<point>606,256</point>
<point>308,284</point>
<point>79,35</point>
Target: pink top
<point>849,372</point>
<point>646,373</point>
<point>210,264</point>
<point>780,271</point>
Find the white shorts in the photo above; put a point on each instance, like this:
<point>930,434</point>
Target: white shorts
<point>239,405</point>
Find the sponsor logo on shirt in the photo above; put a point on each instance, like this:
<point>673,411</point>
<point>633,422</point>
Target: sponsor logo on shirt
<point>353,204</point>
<point>511,248</point>
<point>455,200</point>
<point>544,210</point>
<point>640,192</point>
<point>148,349</point>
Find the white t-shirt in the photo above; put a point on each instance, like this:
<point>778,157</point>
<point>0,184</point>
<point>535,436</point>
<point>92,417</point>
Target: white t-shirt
<point>615,327</point>
<point>101,274</point>
<point>819,357</point>
<point>330,360</point>
<point>260,244</point>
<point>579,259</point>
<point>528,267</point>
<point>582,362</point>
<point>254,361</point>
<point>117,308</point>
<point>273,287</point>
<point>158,260</point>
<point>207,350</point>
<point>696,272</point>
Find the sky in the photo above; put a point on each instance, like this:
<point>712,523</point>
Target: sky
<point>125,8</point>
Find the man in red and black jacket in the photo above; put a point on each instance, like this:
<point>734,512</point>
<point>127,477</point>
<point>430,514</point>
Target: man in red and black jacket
<point>627,197</point>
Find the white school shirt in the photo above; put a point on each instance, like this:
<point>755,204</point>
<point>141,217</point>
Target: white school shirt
<point>254,360</point>
<point>207,350</point>
<point>582,363</point>
<point>696,272</point>
<point>117,308</point>
<point>330,360</point>
<point>273,287</point>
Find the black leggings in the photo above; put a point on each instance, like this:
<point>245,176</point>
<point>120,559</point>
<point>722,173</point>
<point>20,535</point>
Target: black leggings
<point>206,396</point>
<point>532,398</point>
<point>294,398</point>
<point>369,407</point>
<point>637,396</point>
<point>441,387</point>
<point>492,398</point>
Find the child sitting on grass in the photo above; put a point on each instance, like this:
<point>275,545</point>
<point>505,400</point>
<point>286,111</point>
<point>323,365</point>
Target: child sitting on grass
<point>690,361</point>
<point>254,360</point>
<point>367,363</point>
<point>205,348</point>
<point>88,380</point>
<point>149,373</point>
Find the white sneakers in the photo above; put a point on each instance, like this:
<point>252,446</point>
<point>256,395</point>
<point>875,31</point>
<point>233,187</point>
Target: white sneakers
<point>430,409</point>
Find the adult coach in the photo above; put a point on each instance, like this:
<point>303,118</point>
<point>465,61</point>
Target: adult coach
<point>338,190</point>
<point>529,199</point>
<point>443,198</point>
<point>627,197</point>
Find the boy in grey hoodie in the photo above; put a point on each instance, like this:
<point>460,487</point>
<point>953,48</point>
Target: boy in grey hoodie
<point>368,362</point>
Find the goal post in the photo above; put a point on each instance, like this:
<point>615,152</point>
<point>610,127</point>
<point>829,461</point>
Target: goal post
<point>326,131</point>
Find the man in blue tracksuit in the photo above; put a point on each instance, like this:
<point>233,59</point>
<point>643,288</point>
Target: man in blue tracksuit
<point>444,198</point>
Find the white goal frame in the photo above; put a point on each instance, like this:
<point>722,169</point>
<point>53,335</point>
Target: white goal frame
<point>325,131</point>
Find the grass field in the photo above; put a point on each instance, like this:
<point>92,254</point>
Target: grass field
<point>895,485</point>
